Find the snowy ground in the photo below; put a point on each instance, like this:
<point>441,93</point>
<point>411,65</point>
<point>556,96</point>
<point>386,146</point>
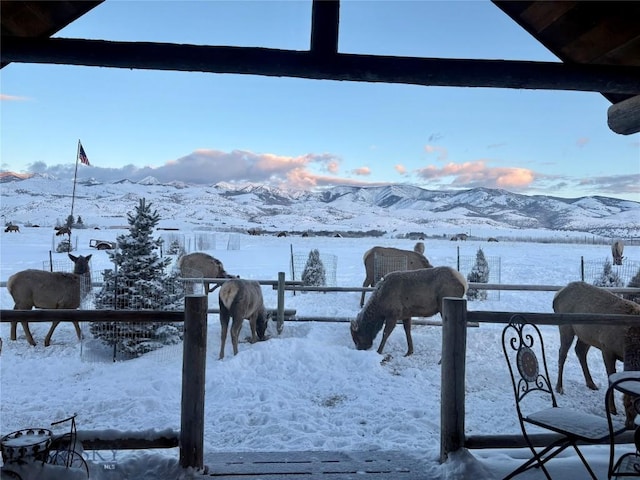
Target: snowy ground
<point>308,388</point>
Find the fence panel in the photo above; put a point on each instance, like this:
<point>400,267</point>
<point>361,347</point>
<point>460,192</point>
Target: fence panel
<point>329,261</point>
<point>466,264</point>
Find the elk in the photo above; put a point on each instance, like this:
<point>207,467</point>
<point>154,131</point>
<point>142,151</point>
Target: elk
<point>402,295</point>
<point>42,289</point>
<point>378,261</point>
<point>616,252</point>
<point>202,265</point>
<point>581,297</point>
<point>240,299</point>
<point>63,231</point>
<point>12,228</point>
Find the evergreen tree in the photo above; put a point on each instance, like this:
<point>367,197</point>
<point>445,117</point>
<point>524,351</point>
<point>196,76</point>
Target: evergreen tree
<point>479,274</point>
<point>634,283</point>
<point>69,222</point>
<point>314,273</point>
<point>139,283</point>
<point>609,277</point>
<point>79,223</point>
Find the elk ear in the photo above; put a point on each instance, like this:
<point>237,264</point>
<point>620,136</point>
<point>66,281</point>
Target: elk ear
<point>354,326</point>
<point>74,259</point>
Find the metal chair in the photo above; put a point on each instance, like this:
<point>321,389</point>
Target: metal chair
<point>524,351</point>
<point>628,464</point>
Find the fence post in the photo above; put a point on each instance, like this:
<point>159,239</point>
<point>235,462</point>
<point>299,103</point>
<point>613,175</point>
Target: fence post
<point>193,380</point>
<point>582,268</point>
<point>280,313</point>
<point>452,395</point>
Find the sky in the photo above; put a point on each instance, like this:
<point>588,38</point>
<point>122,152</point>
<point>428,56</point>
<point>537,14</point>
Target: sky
<point>304,134</point>
<point>307,389</point>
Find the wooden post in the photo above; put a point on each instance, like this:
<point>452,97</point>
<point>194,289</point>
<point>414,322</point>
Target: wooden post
<point>193,381</point>
<point>280,314</point>
<point>452,395</point>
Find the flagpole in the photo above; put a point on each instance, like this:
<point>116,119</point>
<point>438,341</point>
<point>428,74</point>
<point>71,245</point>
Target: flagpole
<point>75,176</point>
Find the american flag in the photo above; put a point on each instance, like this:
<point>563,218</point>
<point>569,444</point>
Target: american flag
<point>83,156</point>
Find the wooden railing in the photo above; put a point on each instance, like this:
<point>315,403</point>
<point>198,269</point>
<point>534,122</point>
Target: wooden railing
<point>456,319</point>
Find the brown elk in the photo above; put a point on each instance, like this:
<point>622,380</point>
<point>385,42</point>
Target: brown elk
<point>12,228</point>
<point>378,261</point>
<point>402,295</point>
<point>202,265</point>
<point>42,289</point>
<point>240,299</point>
<point>581,297</point>
<point>616,252</point>
<point>62,231</point>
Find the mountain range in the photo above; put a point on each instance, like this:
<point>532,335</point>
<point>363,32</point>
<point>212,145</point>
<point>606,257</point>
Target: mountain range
<point>392,209</point>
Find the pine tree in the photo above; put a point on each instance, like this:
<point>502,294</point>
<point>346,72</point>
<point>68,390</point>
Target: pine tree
<point>138,283</point>
<point>608,277</point>
<point>479,274</point>
<point>314,273</point>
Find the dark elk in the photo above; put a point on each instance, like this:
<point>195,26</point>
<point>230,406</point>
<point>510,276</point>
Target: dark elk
<point>581,297</point>
<point>42,289</point>
<point>202,265</point>
<point>12,228</point>
<point>62,231</point>
<point>402,295</point>
<point>387,259</point>
<point>616,252</point>
<point>240,299</point>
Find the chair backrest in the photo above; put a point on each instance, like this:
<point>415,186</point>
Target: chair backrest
<point>524,351</point>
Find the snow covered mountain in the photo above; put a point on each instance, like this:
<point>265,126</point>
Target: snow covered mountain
<point>393,209</point>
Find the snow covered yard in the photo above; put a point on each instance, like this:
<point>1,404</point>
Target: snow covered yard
<point>307,388</point>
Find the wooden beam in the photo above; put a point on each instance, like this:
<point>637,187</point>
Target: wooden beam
<point>624,117</point>
<point>325,19</point>
<point>346,67</point>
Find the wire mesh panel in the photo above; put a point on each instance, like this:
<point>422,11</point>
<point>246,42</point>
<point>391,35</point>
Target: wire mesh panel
<point>234,242</point>
<point>383,264</point>
<point>114,341</point>
<point>604,273</point>
<point>329,261</point>
<point>466,264</point>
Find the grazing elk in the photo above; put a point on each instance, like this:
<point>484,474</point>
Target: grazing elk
<point>12,228</point>
<point>62,231</point>
<point>581,297</point>
<point>42,289</point>
<point>378,261</point>
<point>202,265</point>
<point>616,252</point>
<point>402,295</point>
<point>240,299</point>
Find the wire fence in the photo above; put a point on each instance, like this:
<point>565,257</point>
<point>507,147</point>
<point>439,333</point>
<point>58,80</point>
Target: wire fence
<point>329,261</point>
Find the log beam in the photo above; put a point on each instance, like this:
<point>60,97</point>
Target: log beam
<point>305,64</point>
<point>624,117</point>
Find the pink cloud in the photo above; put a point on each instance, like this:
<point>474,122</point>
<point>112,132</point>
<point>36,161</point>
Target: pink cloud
<point>401,169</point>
<point>582,141</point>
<point>441,151</point>
<point>477,174</point>
<point>12,98</point>
<point>362,171</point>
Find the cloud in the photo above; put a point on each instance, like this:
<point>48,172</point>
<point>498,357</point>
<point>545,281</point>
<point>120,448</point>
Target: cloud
<point>582,141</point>
<point>441,151</point>
<point>613,184</point>
<point>362,171</point>
<point>12,98</point>
<point>401,169</point>
<point>477,174</point>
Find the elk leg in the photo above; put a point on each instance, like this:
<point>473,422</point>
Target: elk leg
<point>566,339</point>
<point>581,352</point>
<point>252,323</point>
<point>47,339</point>
<point>236,326</point>
<point>27,332</point>
<point>224,323</point>
<point>406,323</point>
<point>78,331</point>
<point>389,325</point>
